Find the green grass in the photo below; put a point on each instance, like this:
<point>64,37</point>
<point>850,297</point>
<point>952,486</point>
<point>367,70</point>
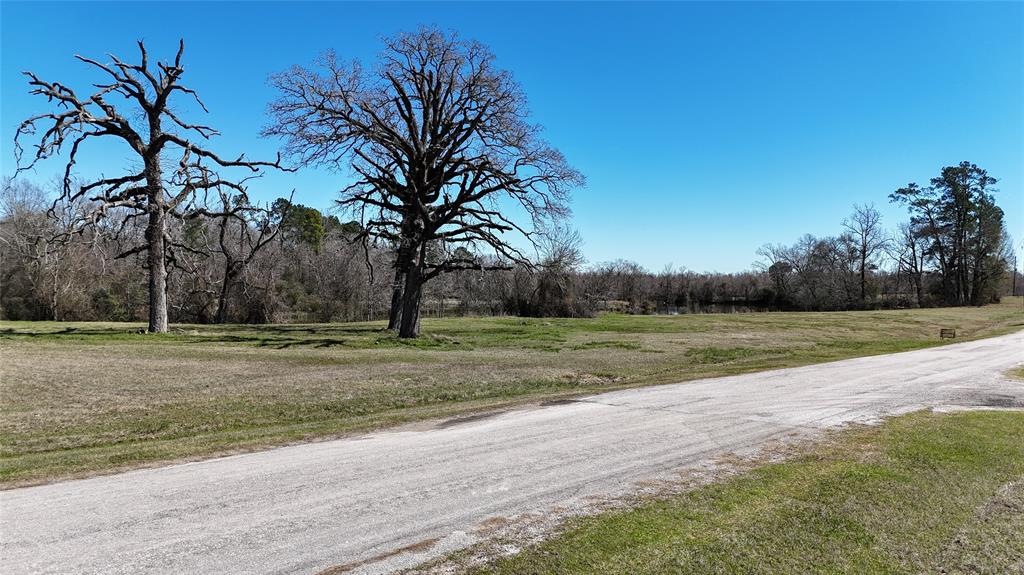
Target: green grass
<point>84,398</point>
<point>924,493</point>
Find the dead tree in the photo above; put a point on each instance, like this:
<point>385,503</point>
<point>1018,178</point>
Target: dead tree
<point>153,131</point>
<point>440,144</point>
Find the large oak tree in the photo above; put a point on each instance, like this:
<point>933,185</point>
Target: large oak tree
<point>442,150</point>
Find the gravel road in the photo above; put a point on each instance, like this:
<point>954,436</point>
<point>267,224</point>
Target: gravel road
<point>373,503</point>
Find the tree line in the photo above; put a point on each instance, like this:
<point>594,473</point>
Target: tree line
<point>953,250</point>
<point>456,205</point>
<point>291,263</point>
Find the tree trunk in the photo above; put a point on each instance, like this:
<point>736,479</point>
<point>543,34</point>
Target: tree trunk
<point>919,289</point>
<point>411,300</point>
<point>395,314</point>
<point>157,270</point>
<point>863,277</point>
<point>917,275</point>
<point>977,278</point>
<point>156,229</point>
<point>222,301</point>
<point>403,262</point>
<point>53,294</point>
<point>222,308</point>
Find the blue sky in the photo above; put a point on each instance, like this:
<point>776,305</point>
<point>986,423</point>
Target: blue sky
<point>705,130</point>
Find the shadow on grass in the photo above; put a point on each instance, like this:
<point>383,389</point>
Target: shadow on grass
<point>278,337</point>
<point>326,336</point>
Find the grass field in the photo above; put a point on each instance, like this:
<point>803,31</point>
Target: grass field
<point>81,398</point>
<point>924,493</point>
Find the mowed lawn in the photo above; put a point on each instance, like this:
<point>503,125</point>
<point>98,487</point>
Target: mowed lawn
<point>923,493</point>
<point>81,398</point>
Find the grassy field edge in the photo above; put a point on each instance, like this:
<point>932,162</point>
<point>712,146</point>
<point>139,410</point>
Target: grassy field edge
<point>921,493</point>
<point>107,423</point>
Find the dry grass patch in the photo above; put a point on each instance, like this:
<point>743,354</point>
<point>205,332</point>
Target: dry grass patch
<point>81,398</point>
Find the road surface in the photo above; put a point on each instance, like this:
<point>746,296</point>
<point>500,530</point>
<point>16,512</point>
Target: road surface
<point>373,503</point>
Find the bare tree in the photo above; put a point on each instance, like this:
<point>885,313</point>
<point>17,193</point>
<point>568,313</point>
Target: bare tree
<point>554,279</point>
<point>437,137</point>
<point>865,228</point>
<point>243,231</point>
<point>152,130</point>
<point>910,250</point>
<point>39,246</point>
<point>26,242</point>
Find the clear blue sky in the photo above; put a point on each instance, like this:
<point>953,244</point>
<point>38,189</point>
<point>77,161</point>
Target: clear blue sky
<point>705,130</point>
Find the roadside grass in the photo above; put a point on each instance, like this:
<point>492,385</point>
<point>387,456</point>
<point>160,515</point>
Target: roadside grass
<point>84,398</point>
<point>923,493</point>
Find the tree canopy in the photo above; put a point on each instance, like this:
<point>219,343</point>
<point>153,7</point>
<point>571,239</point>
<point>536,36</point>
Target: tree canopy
<point>438,138</point>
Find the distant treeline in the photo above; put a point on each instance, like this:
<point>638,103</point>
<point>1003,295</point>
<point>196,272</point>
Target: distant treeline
<point>291,263</point>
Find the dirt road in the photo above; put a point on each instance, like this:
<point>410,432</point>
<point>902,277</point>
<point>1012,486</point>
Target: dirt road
<point>374,503</point>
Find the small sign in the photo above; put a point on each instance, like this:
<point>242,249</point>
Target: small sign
<point>946,333</point>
